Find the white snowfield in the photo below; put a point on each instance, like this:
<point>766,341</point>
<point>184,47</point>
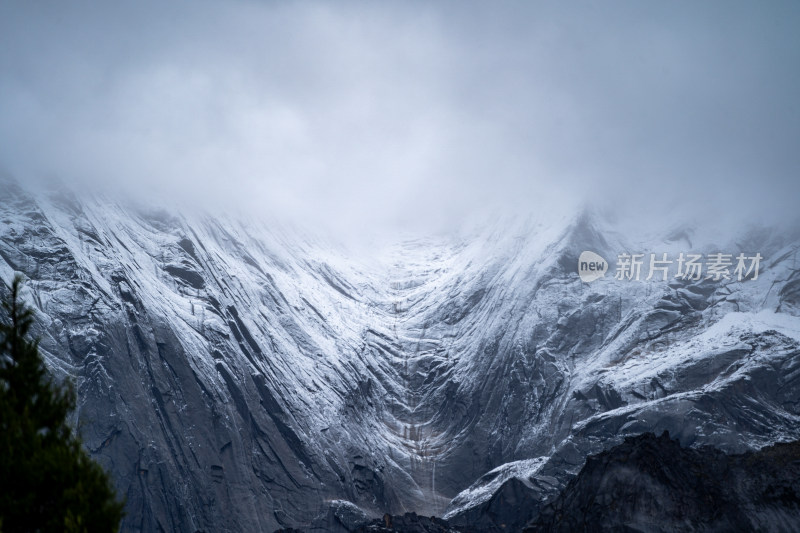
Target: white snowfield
<point>259,373</point>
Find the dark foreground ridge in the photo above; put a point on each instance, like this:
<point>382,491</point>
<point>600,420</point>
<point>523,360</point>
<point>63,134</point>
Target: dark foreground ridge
<point>651,483</point>
<point>408,522</point>
<point>645,484</point>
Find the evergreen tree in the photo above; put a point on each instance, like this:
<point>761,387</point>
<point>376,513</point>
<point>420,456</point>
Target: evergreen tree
<point>48,482</point>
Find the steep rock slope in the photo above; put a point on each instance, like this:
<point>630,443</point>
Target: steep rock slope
<point>647,483</point>
<point>237,377</point>
<point>650,483</point>
<point>209,369</point>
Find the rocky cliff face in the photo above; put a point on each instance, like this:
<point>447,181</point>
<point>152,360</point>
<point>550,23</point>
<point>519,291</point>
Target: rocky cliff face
<point>651,483</point>
<point>647,483</point>
<point>237,377</point>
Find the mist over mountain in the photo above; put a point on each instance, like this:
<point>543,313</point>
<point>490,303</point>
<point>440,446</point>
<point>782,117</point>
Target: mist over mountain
<point>312,264</point>
<point>408,116</point>
<point>238,376</point>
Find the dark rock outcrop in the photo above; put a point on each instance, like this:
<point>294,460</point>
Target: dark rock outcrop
<point>652,484</point>
<point>407,523</point>
<point>510,508</point>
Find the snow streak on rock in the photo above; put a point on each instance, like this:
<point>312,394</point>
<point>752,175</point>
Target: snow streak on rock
<point>238,376</point>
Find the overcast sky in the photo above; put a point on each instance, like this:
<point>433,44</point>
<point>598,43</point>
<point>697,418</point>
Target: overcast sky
<point>365,114</point>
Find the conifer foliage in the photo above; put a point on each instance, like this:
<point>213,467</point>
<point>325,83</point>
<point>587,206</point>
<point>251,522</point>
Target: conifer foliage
<point>48,482</point>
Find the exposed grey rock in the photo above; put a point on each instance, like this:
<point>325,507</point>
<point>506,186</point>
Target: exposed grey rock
<point>236,377</point>
<point>651,483</point>
<point>349,515</point>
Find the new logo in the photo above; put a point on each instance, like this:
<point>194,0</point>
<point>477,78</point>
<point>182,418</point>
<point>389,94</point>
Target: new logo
<point>591,266</point>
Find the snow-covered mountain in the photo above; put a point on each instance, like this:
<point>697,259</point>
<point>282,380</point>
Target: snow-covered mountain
<point>235,376</point>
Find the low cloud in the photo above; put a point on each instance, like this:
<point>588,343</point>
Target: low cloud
<point>410,115</point>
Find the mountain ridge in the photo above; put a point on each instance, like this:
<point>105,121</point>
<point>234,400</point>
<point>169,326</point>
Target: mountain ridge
<point>237,376</point>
